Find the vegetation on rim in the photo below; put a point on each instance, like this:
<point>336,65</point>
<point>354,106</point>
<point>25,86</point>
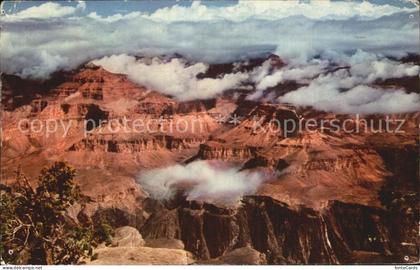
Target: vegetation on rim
<point>34,228</point>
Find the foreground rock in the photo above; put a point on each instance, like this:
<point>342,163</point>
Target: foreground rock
<point>240,256</point>
<point>141,255</point>
<point>128,248</point>
<point>127,237</point>
<point>164,243</point>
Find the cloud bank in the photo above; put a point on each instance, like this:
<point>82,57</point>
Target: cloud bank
<point>350,91</point>
<point>301,73</point>
<point>174,77</point>
<point>324,94</point>
<point>202,181</point>
<point>47,10</point>
<point>35,44</point>
<point>272,10</point>
<point>310,37</point>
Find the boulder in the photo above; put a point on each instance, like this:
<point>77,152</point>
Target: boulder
<point>239,256</point>
<point>245,255</point>
<point>164,243</point>
<point>140,255</point>
<point>127,237</point>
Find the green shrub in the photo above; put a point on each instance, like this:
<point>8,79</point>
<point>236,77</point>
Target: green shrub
<point>34,229</point>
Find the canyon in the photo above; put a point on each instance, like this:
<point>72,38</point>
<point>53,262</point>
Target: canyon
<point>329,197</point>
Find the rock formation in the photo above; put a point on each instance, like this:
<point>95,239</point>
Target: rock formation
<point>329,195</point>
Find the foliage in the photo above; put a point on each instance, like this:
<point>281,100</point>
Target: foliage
<point>34,227</point>
<point>103,231</point>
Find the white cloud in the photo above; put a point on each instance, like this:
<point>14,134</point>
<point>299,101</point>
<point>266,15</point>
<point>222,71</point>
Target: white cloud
<point>174,77</point>
<point>274,10</point>
<point>47,10</point>
<point>81,5</point>
<point>344,91</point>
<point>115,17</point>
<point>71,38</point>
<point>300,73</point>
<point>202,181</point>
<point>243,10</point>
<point>347,91</point>
<point>43,39</point>
<point>372,68</point>
<point>359,99</point>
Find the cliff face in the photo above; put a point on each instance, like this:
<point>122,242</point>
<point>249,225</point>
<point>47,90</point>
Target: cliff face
<point>108,143</point>
<point>214,150</point>
<point>341,233</point>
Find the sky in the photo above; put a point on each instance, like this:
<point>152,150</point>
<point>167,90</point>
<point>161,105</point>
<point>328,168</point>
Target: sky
<point>106,8</point>
<point>40,38</point>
